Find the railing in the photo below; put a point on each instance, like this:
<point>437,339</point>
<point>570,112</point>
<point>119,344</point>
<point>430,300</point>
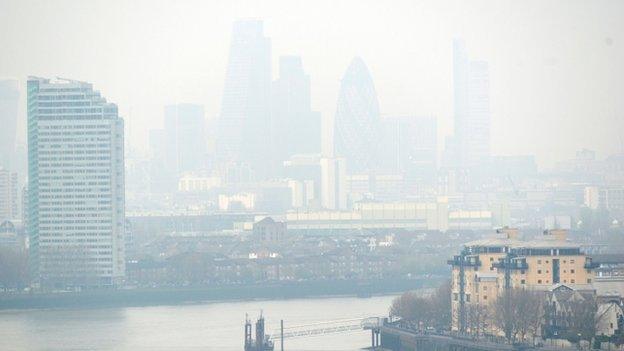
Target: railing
<point>327,327</point>
<point>468,261</point>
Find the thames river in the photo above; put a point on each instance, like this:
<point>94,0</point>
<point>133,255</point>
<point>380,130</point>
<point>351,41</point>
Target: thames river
<point>208,326</point>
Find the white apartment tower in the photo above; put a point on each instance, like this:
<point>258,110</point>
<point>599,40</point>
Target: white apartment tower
<point>76,185</point>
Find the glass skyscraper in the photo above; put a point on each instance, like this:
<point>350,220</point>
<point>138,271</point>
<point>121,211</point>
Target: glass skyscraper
<point>472,108</point>
<point>76,185</point>
<point>245,122</point>
<point>357,122</point>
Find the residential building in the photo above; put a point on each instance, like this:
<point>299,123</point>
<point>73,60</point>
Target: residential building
<point>76,185</point>
<point>487,267</point>
<point>268,230</point>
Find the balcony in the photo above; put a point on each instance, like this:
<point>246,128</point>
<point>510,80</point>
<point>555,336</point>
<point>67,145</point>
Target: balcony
<point>589,264</point>
<point>468,261</point>
<point>514,264</point>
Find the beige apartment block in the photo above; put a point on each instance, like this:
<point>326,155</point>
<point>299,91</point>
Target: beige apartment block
<point>486,267</point>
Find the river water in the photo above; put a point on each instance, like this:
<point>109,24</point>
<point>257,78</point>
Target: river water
<point>207,326</point>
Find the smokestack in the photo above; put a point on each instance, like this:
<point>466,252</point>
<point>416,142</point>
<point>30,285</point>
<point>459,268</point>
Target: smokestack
<point>510,233</point>
<point>560,235</point>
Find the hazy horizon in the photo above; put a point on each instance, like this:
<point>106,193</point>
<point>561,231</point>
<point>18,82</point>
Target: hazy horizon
<point>555,67</point>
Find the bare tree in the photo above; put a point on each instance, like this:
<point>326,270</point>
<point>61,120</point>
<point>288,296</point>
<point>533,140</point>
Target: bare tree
<point>429,311</point>
<point>518,312</point>
<point>478,318</point>
<point>580,318</point>
<point>13,269</point>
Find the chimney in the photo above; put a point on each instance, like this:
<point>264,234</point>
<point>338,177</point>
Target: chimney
<point>560,235</point>
<point>510,233</point>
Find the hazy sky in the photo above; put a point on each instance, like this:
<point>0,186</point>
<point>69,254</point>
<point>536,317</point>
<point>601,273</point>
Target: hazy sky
<point>557,67</point>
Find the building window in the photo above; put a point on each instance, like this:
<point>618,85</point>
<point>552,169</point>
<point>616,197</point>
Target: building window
<point>485,288</point>
<point>491,259</point>
<point>539,271</point>
<point>467,297</point>
<point>572,281</point>
<point>522,271</point>
<point>571,261</point>
<point>485,297</point>
<point>588,281</point>
<point>455,296</point>
<point>539,261</point>
<point>571,270</point>
<point>522,281</point>
<point>565,281</point>
<point>539,281</point>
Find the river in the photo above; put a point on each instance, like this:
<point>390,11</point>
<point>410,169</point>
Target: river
<point>206,326</point>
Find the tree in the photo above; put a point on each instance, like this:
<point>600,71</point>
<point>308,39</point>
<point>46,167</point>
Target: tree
<point>13,269</point>
<point>431,311</point>
<point>580,317</point>
<point>478,318</point>
<point>518,312</point>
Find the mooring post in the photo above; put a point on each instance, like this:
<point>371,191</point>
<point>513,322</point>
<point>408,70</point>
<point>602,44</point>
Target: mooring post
<point>282,334</point>
<point>373,338</point>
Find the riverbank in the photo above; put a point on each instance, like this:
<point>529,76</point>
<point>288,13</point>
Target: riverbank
<point>190,295</point>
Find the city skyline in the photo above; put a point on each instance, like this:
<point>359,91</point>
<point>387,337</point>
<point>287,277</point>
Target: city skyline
<point>524,85</point>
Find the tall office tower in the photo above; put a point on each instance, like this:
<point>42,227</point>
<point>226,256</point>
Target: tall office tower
<point>296,129</point>
<point>185,138</point>
<point>357,119</point>
<point>244,123</point>
<point>8,195</point>
<point>333,183</point>
<point>76,185</point>
<point>409,147</point>
<point>472,108</point>
<point>9,101</point>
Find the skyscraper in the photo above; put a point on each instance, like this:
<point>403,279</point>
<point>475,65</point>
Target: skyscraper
<point>472,108</point>
<point>9,101</point>
<point>8,195</point>
<point>357,119</point>
<point>76,184</point>
<point>296,129</point>
<point>244,123</point>
<point>409,147</point>
<point>185,137</point>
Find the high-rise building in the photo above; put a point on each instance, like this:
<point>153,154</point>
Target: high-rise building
<point>9,102</point>
<point>296,129</point>
<point>410,147</point>
<point>244,124</point>
<point>472,108</point>
<point>76,185</point>
<point>357,121</point>
<point>8,195</point>
<point>185,138</point>
<point>333,183</point>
